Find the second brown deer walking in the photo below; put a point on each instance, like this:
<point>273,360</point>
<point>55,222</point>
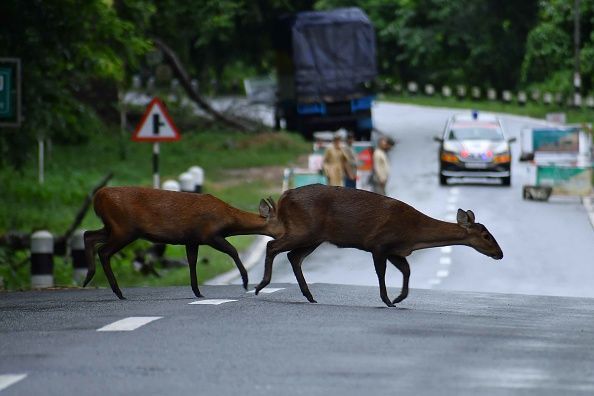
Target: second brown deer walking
<point>176,218</point>
<point>387,228</point>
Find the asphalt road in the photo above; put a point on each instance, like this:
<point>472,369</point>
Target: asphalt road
<point>436,342</point>
<point>548,247</point>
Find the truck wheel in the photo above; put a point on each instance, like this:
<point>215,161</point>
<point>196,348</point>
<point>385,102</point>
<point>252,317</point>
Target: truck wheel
<point>291,124</point>
<point>363,135</point>
<point>506,181</point>
<point>443,180</point>
<point>307,133</point>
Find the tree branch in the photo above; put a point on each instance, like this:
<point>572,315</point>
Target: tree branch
<point>61,240</point>
<point>185,81</point>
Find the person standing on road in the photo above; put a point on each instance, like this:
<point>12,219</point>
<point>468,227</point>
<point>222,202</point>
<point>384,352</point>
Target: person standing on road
<point>334,162</point>
<point>350,177</point>
<point>381,166</point>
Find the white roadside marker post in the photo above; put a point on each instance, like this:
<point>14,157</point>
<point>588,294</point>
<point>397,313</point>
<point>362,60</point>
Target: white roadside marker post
<point>42,259</point>
<point>77,253</point>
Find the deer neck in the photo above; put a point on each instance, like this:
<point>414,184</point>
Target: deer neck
<point>436,233</point>
<point>247,223</point>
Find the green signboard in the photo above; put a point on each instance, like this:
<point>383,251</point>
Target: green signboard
<point>6,77</point>
<point>565,180</point>
<point>10,92</point>
<point>556,140</point>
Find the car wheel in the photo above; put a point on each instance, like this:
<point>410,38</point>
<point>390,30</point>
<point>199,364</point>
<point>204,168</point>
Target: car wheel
<point>506,181</point>
<point>443,180</point>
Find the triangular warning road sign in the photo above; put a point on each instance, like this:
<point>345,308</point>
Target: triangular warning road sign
<point>156,125</point>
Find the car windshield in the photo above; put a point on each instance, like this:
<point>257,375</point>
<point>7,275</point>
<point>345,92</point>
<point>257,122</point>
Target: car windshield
<point>475,133</point>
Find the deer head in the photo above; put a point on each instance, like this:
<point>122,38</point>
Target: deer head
<point>478,236</point>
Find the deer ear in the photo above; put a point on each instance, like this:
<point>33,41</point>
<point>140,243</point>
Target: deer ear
<point>463,218</point>
<point>272,204</point>
<point>470,215</point>
<point>264,208</point>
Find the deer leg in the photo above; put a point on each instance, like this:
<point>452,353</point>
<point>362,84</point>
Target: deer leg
<point>379,261</point>
<point>402,264</point>
<point>91,239</point>
<point>296,257</point>
<point>273,248</point>
<point>111,247</point>
<point>192,256</point>
<point>222,245</point>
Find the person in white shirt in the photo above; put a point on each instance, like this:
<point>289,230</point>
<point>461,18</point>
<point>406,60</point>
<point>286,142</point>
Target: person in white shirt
<point>381,166</point>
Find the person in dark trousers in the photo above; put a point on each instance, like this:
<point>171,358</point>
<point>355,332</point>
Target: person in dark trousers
<point>350,174</point>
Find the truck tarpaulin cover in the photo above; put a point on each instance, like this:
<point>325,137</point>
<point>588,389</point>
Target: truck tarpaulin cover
<point>333,52</point>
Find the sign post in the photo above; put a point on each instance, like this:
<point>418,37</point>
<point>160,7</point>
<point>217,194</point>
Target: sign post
<point>156,126</point>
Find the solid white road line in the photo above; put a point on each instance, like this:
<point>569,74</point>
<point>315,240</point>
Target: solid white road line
<point>10,379</point>
<point>445,260</point>
<point>210,302</point>
<point>268,290</point>
<point>446,249</point>
<point>443,273</point>
<point>129,324</point>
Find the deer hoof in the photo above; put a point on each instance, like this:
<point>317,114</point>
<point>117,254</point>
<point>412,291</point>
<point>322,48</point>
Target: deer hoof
<point>398,299</point>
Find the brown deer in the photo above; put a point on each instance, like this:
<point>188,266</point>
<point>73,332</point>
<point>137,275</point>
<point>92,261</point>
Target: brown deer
<point>387,228</point>
<point>176,218</point>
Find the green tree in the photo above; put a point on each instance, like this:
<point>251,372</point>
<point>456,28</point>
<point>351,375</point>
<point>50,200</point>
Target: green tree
<point>480,42</point>
<point>222,40</point>
<point>65,47</point>
<point>549,59</point>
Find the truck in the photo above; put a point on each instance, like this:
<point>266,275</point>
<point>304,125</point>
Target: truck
<point>325,66</point>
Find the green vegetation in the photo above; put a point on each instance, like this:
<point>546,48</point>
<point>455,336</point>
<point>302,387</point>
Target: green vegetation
<point>77,57</point>
<point>73,170</point>
<point>530,109</point>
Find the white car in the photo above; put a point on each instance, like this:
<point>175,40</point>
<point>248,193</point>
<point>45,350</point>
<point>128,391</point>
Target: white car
<point>474,145</point>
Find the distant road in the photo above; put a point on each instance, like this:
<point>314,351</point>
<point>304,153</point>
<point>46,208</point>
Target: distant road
<point>548,247</point>
<point>157,343</point>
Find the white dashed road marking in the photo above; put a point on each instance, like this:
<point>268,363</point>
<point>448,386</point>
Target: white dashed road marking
<point>445,260</point>
<point>268,290</point>
<point>211,302</point>
<point>434,282</point>
<point>129,324</point>
<point>10,379</point>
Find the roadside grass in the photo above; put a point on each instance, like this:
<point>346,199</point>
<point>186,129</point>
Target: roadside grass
<point>72,171</point>
<point>530,109</point>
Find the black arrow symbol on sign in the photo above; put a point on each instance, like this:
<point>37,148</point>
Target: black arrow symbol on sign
<point>156,124</point>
